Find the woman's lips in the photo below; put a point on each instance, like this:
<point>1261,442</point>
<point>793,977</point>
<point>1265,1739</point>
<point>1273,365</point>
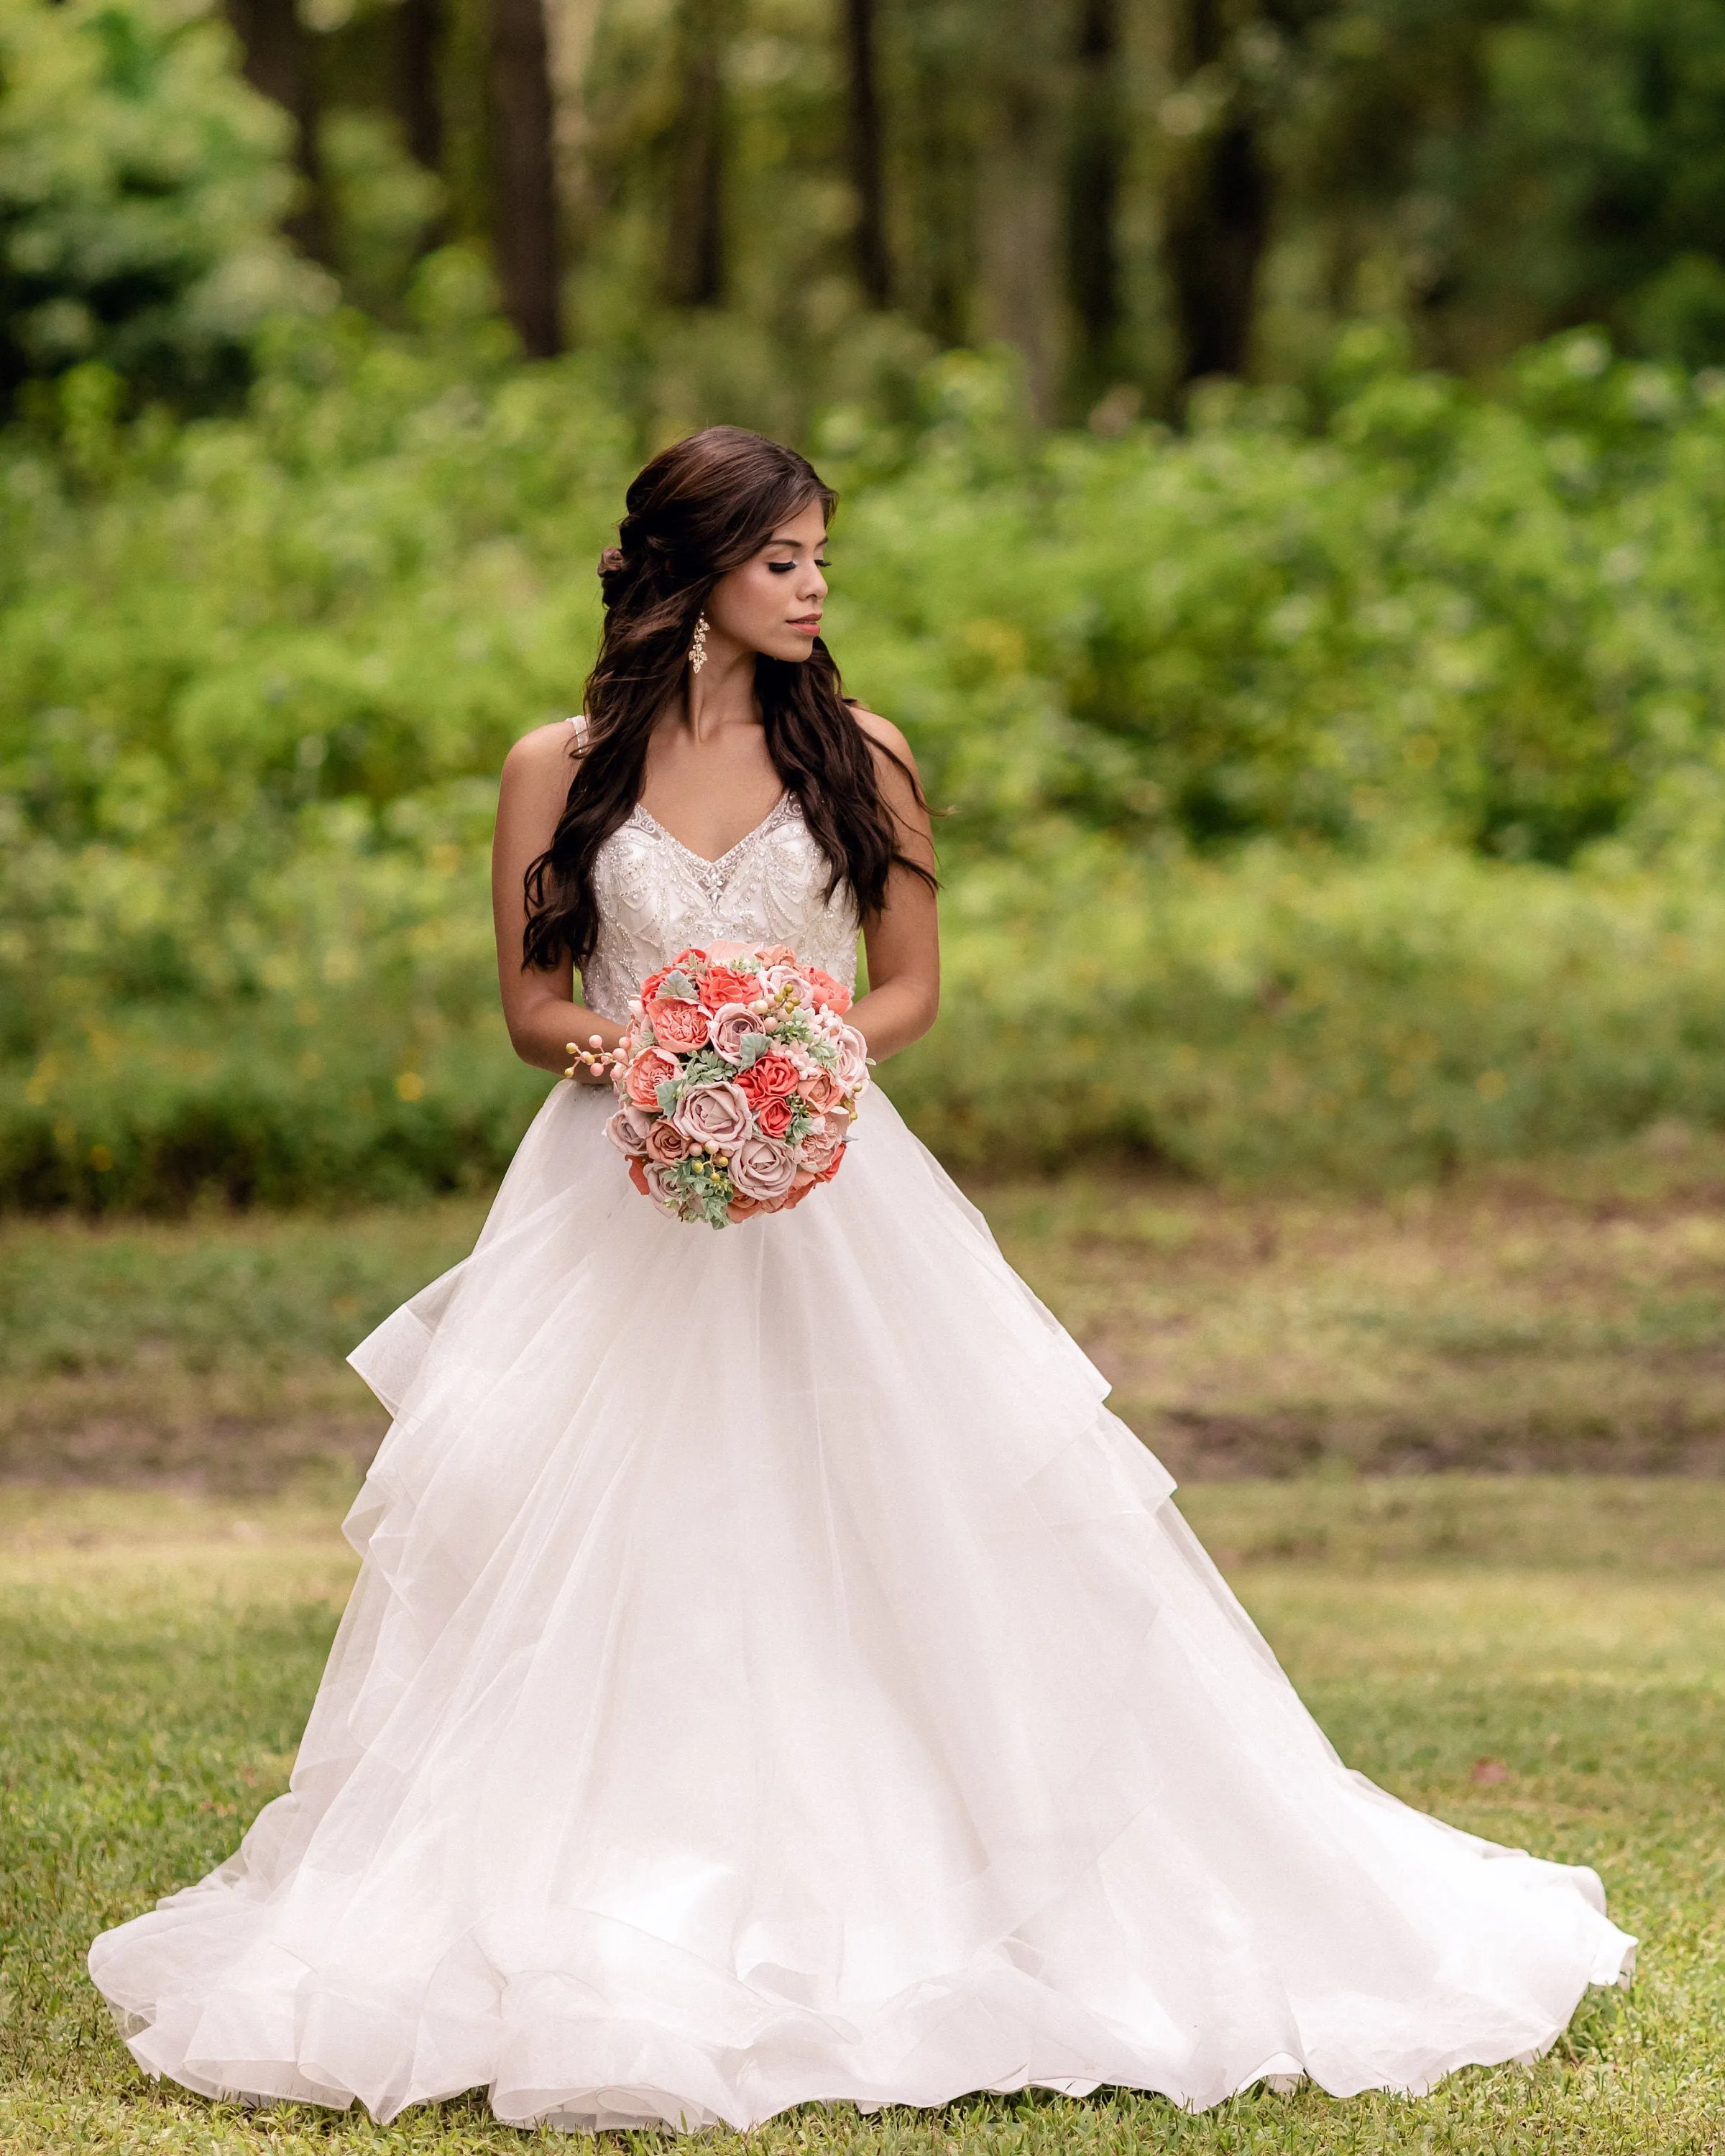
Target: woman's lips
<point>808,627</point>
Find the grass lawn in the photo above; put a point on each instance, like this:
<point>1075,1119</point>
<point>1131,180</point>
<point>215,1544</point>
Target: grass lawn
<point>1540,1660</point>
<point>1573,1319</point>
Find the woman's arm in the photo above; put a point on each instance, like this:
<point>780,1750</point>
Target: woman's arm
<point>902,940</point>
<point>539,1007</point>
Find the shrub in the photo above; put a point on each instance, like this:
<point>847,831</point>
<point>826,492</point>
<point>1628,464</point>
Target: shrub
<point>140,185</point>
<point>1376,761</point>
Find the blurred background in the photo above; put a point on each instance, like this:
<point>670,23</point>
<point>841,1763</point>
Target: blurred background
<point>1283,459</point>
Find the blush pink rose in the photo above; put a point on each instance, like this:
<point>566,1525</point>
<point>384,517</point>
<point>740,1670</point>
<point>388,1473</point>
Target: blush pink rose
<point>627,1131</point>
<point>665,1143</point>
<point>763,1169</point>
<point>724,985</point>
<point>643,1077</point>
<point>769,1077</point>
<point>853,1071</point>
<point>717,1115</point>
<point>660,1183</point>
<point>730,1022</point>
<point>679,1026</point>
<point>774,1117</point>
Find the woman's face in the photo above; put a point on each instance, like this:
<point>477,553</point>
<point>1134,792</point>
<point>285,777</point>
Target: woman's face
<point>773,602</point>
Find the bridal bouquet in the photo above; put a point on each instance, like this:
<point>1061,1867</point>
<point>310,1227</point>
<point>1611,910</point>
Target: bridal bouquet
<point>738,1081</point>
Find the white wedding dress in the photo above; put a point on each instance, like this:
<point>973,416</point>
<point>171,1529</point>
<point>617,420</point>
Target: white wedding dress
<point>775,1676</point>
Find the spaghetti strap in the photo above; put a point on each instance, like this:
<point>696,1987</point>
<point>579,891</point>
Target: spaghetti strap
<point>583,732</point>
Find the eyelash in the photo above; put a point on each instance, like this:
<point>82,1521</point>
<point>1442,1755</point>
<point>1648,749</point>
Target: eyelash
<point>780,568</point>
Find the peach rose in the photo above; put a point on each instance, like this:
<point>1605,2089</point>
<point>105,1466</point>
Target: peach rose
<point>627,1131</point>
<point>679,1026</point>
<point>774,1117</point>
<point>717,1115</point>
<point>643,1077</point>
<point>724,985</point>
<point>665,1143</point>
<point>769,1077</point>
<point>730,1022</point>
<point>740,1208</point>
<point>818,1088</point>
<point>763,1169</point>
<point>776,954</point>
<point>818,1150</point>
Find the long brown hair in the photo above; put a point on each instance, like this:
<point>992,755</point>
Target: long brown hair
<point>701,508</point>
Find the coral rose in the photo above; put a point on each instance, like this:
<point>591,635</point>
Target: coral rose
<point>724,985</point>
<point>717,1115</point>
<point>679,1026</point>
<point>665,1143</point>
<point>643,1077</point>
<point>774,1117</point>
<point>825,993</point>
<point>763,1169</point>
<point>769,1077</point>
<point>740,1208</point>
<point>730,1023</point>
<point>627,1131</point>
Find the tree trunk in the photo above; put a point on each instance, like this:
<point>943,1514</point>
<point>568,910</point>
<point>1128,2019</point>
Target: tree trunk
<point>695,245</point>
<point>1094,177</point>
<point>524,175</point>
<point>1023,295</point>
<point>277,60</point>
<point>1216,212</point>
<point>874,267</point>
<point>418,50</point>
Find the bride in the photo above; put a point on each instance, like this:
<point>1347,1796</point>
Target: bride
<point>774,1676</point>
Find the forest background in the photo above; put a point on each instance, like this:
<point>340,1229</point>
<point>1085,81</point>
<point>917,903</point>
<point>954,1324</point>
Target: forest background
<point>1282,454</point>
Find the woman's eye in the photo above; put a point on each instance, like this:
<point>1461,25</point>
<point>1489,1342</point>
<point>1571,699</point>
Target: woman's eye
<point>780,568</point>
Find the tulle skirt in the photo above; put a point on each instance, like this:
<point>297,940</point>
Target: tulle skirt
<point>774,1676</point>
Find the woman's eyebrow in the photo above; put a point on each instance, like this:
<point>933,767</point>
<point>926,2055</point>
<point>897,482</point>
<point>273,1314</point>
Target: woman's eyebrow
<point>778,541</point>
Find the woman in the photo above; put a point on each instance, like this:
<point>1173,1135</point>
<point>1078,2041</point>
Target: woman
<point>774,1675</point>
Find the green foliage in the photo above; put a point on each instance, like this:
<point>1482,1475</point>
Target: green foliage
<point>140,184</point>
<point>1359,764</point>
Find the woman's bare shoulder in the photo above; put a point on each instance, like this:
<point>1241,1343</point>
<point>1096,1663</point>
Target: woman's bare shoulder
<point>546,755</point>
<point>883,733</point>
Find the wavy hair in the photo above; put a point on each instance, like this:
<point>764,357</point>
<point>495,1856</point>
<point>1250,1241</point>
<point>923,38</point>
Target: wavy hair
<point>701,508</point>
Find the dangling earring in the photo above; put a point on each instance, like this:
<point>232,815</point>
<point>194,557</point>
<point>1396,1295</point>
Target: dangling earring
<point>697,650</point>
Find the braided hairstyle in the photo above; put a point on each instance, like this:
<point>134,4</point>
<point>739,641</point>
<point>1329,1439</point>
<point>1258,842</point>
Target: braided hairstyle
<point>700,508</point>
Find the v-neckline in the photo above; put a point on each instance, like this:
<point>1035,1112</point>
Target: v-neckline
<point>718,860</point>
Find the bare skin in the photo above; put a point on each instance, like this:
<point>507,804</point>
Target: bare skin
<point>709,782</point>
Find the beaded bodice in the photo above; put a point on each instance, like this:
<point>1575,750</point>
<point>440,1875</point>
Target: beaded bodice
<point>657,898</point>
